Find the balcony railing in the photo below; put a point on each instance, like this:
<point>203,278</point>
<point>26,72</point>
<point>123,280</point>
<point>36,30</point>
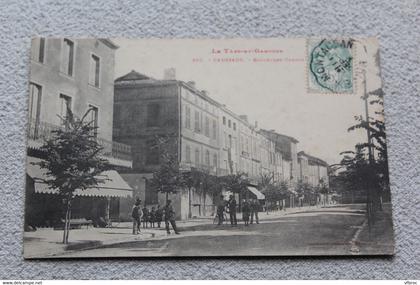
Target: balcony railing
<point>41,131</point>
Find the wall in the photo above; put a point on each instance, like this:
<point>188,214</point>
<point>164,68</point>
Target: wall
<point>55,82</point>
<point>131,120</point>
<point>393,21</point>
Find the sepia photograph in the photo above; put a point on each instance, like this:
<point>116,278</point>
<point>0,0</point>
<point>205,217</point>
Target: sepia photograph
<point>206,147</point>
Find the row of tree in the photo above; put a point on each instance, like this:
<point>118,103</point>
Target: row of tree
<point>364,170</point>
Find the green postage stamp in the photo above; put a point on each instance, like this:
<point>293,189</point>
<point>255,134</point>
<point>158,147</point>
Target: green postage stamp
<point>330,65</point>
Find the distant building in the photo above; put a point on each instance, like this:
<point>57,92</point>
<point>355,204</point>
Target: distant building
<point>286,146</point>
<point>314,171</point>
<point>76,75</point>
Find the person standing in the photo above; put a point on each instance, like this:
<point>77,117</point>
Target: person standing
<point>145,216</point>
<point>152,217</point>
<point>158,215</point>
<point>136,214</point>
<point>232,211</point>
<point>170,218</point>
<point>246,209</point>
<point>255,207</point>
<point>221,210</point>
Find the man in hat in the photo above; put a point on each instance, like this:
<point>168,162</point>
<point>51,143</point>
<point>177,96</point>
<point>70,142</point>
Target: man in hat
<point>170,217</point>
<point>221,209</point>
<point>136,214</point>
<point>232,211</point>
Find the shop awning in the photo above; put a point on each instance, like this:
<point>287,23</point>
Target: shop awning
<point>256,192</point>
<point>113,186</point>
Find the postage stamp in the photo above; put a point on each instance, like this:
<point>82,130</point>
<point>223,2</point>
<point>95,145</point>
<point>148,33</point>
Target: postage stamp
<point>330,65</point>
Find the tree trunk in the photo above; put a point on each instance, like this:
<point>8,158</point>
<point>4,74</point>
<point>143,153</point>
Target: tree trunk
<point>67,222</point>
<point>167,197</point>
<point>204,203</point>
<point>189,203</point>
<point>68,226</point>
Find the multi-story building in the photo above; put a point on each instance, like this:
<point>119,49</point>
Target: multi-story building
<point>250,156</point>
<point>312,170</point>
<point>203,134</point>
<point>270,160</point>
<point>149,112</point>
<point>286,146</point>
<point>229,142</point>
<point>74,75</point>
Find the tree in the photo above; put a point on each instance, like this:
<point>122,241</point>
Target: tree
<point>284,190</point>
<point>236,183</point>
<point>360,172</point>
<point>191,180</point>
<point>168,178</point>
<point>305,191</point>
<point>73,161</point>
<point>209,184</point>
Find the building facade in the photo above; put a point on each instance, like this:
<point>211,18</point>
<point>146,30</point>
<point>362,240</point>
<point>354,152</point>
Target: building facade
<point>74,75</point>
<point>204,135</point>
<point>314,171</point>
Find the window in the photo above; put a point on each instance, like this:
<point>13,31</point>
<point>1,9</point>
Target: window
<point>94,118</point>
<point>224,120</point>
<point>197,121</point>
<point>65,105</point>
<point>214,129</point>
<point>230,141</point>
<point>229,123</point>
<point>187,153</point>
<point>152,153</point>
<point>35,93</point>
<point>38,49</point>
<point>197,157</point>
<point>207,127</point>
<point>153,112</point>
<point>187,117</point>
<point>234,126</point>
<point>67,57</point>
<point>207,158</point>
<point>215,160</point>
<point>94,73</point>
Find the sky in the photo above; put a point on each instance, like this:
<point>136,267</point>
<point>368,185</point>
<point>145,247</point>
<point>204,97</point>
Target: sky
<point>272,91</point>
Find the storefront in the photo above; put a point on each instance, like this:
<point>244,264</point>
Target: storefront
<point>45,206</point>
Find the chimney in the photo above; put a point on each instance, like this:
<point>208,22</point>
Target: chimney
<point>256,124</point>
<point>205,93</point>
<point>244,117</point>
<point>169,74</point>
<point>191,83</point>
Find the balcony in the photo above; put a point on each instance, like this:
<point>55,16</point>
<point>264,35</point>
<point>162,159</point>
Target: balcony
<point>117,153</point>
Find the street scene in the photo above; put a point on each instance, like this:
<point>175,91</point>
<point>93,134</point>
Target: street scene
<point>148,148</point>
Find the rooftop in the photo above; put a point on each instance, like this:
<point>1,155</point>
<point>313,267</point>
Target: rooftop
<point>273,132</point>
<point>313,159</point>
<point>133,75</point>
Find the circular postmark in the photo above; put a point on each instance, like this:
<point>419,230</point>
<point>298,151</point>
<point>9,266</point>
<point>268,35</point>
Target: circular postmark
<point>331,65</point>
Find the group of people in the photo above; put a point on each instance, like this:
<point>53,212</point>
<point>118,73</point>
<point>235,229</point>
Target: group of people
<point>250,209</point>
<point>155,215</point>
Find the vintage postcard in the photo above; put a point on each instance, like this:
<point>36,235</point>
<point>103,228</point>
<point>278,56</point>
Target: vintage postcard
<point>206,147</point>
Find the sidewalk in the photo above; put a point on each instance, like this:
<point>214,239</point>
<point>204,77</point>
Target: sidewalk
<point>380,238</point>
<point>45,243</point>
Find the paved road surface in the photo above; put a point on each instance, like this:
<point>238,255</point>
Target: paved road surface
<point>320,232</point>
